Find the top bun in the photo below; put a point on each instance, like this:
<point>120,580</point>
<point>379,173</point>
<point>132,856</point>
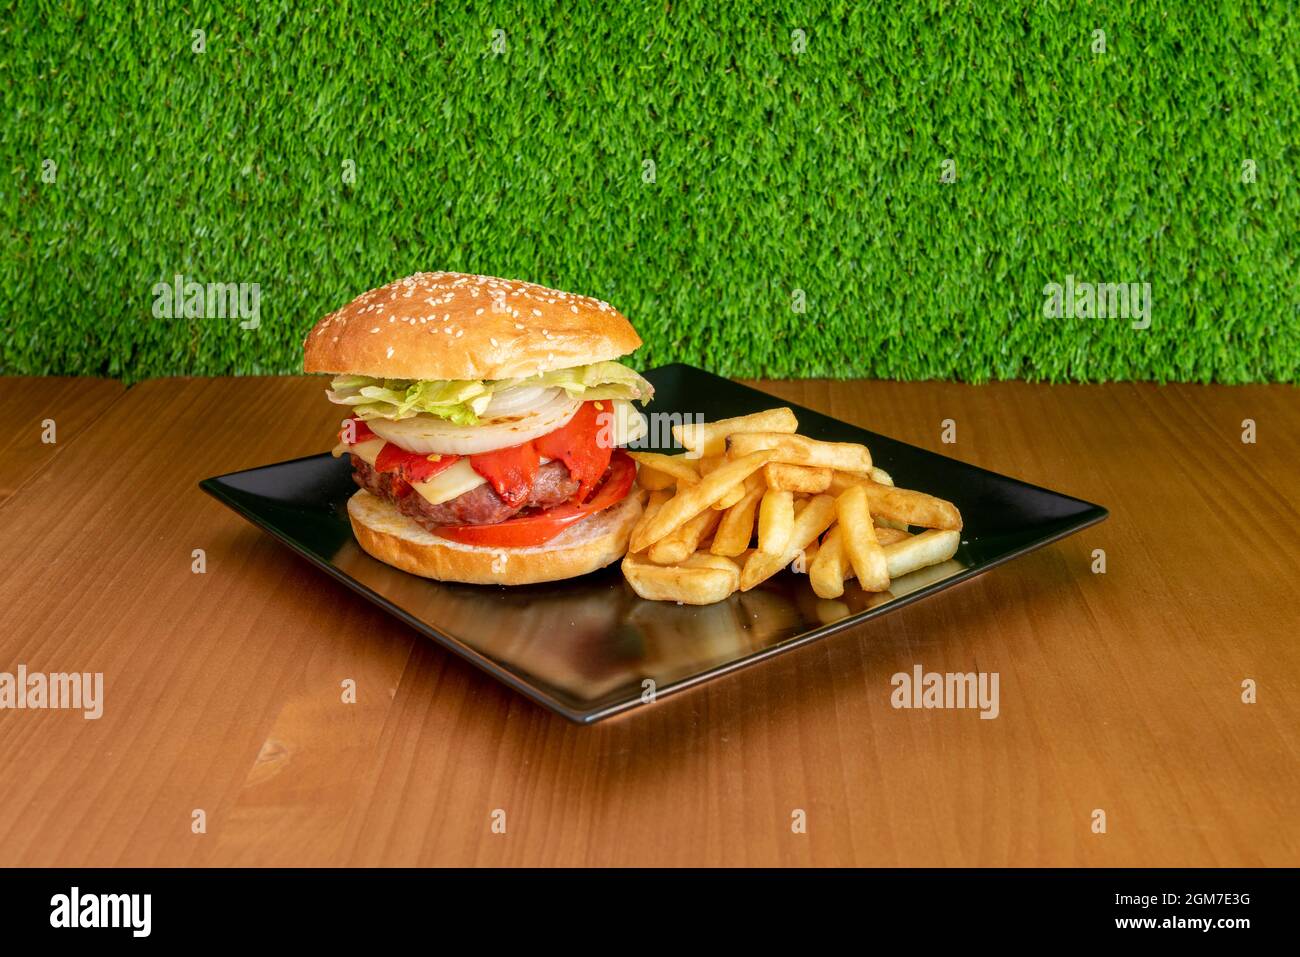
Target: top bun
<point>450,325</point>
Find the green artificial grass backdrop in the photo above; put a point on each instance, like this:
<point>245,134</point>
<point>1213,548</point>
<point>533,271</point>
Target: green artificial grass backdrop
<point>841,189</point>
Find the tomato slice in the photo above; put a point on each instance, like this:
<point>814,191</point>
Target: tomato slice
<point>422,468</point>
<point>411,466</point>
<point>511,471</point>
<point>525,531</point>
<point>577,444</point>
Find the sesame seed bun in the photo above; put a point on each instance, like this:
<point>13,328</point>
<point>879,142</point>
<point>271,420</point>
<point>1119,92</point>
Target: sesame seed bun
<point>393,538</point>
<point>448,325</point>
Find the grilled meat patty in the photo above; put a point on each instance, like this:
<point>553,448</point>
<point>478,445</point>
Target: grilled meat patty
<point>479,506</point>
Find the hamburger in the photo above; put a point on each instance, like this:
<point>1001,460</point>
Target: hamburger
<point>485,423</point>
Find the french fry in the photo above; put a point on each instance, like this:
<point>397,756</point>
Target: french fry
<point>737,526</point>
<point>796,478</point>
<point>899,506</point>
<point>702,580</point>
<point>753,479</point>
<point>877,475</point>
<point>775,521</point>
<point>826,573</point>
<point>912,508</point>
<point>690,500</point>
<point>842,480</point>
<point>808,524</point>
<point>677,466</point>
<point>730,499</point>
<point>653,480</point>
<point>858,536</point>
<point>677,547</point>
<point>801,450</point>
<point>710,438</point>
<point>705,560</point>
<point>754,482</point>
<point>804,558</point>
<point>887,535</point>
<point>652,505</point>
<point>884,536</point>
<point>919,551</point>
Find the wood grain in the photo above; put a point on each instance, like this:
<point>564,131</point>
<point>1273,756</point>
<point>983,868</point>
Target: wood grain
<point>28,403</point>
<point>1119,691</point>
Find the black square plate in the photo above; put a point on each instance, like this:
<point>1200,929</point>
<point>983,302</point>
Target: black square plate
<point>586,647</point>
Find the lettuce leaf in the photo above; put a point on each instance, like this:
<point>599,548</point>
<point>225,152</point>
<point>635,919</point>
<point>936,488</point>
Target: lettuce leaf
<point>463,400</point>
<point>612,380</point>
<point>458,400</point>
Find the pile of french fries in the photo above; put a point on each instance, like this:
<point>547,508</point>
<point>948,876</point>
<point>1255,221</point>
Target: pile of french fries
<point>750,497</point>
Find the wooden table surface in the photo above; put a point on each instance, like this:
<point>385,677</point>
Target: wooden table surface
<point>1119,691</point>
<point>43,416</point>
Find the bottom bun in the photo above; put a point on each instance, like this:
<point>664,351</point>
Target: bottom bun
<point>592,543</point>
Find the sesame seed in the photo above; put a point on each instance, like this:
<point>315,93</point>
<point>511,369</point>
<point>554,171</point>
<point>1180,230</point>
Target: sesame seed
<point>493,341</point>
<point>537,312</point>
<point>389,354</point>
<point>478,311</point>
<point>573,308</point>
<point>376,329</point>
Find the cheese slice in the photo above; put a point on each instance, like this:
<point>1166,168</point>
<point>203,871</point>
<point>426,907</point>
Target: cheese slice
<point>449,483</point>
<point>455,480</point>
<point>367,451</point>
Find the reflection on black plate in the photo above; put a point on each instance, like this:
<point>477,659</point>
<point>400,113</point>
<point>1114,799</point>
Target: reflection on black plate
<point>584,647</point>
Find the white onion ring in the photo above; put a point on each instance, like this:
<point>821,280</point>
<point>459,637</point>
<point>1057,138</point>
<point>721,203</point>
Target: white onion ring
<point>428,434</point>
<point>519,400</point>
